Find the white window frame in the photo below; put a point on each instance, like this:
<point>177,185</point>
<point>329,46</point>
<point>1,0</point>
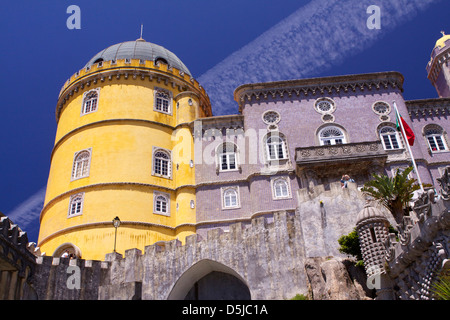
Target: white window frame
<point>231,151</point>
<point>268,146</point>
<point>91,101</point>
<point>332,140</point>
<point>169,163</point>
<point>224,193</point>
<point>434,132</point>
<point>156,196</point>
<point>163,102</point>
<point>273,183</point>
<point>80,203</point>
<point>393,134</point>
<point>85,165</point>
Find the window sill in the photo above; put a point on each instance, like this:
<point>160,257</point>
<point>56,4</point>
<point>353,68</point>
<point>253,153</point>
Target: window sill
<point>74,179</point>
<point>161,176</point>
<point>230,208</point>
<point>282,198</point>
<point>162,213</point>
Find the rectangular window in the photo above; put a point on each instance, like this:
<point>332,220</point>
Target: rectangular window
<point>228,161</point>
<point>163,101</point>
<point>390,142</point>
<point>436,143</point>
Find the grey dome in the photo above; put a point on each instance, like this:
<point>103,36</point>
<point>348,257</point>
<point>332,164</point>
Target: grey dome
<point>139,49</point>
<point>369,213</point>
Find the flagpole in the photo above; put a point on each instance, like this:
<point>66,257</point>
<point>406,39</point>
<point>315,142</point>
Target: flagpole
<point>399,119</point>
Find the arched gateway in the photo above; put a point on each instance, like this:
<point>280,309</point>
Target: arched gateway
<point>208,279</point>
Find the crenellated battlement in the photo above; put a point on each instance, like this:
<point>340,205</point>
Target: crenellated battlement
<point>422,249</point>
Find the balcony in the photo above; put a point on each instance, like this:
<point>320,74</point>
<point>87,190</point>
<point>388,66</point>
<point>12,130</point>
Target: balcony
<point>357,158</point>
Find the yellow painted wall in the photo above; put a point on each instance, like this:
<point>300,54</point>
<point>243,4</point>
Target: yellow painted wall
<point>121,135</point>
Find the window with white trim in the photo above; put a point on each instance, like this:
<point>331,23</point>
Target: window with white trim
<point>227,157</point>
<point>76,205</point>
<point>163,101</point>
<point>280,188</point>
<point>230,198</point>
<point>390,138</point>
<point>276,147</point>
<point>90,101</point>
<point>162,163</point>
<point>161,203</point>
<point>435,139</point>
<point>81,164</point>
<point>331,136</point>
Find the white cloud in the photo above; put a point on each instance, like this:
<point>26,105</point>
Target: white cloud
<point>26,214</point>
<point>312,39</point>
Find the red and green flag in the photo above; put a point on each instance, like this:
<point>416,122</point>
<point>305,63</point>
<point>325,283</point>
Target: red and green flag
<point>408,131</point>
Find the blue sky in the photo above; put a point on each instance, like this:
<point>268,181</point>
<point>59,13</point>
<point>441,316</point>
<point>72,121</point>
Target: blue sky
<point>223,43</point>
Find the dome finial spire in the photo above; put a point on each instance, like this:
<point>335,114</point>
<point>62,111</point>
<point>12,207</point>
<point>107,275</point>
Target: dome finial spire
<point>142,30</point>
<point>443,33</point>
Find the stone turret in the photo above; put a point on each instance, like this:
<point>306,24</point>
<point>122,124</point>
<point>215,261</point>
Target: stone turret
<point>373,230</point>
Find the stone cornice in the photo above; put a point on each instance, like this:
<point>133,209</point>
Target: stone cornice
<point>430,107</point>
<point>131,70</point>
<point>109,224</point>
<point>108,184</point>
<point>246,179</point>
<point>242,219</point>
<point>115,121</point>
<point>347,83</point>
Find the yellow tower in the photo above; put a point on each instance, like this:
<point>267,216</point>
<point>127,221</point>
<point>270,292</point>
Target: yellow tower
<point>123,148</point>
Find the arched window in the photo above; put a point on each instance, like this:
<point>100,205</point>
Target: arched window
<point>227,157</point>
<point>76,205</point>
<point>161,203</point>
<point>81,164</point>
<point>230,198</point>
<point>280,188</point>
<point>90,102</point>
<point>389,137</point>
<point>276,147</point>
<point>161,163</point>
<point>330,136</point>
<point>162,101</point>
<point>435,137</point>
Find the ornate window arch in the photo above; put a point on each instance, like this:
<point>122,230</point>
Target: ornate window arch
<point>390,137</point>
<point>76,205</point>
<point>163,101</point>
<point>81,164</point>
<point>275,146</point>
<point>331,135</point>
<point>162,163</point>
<point>161,203</point>
<point>280,188</point>
<point>436,138</point>
<point>90,101</point>
<point>227,157</point>
<point>230,197</point>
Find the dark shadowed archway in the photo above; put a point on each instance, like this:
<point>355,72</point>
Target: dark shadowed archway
<point>211,280</point>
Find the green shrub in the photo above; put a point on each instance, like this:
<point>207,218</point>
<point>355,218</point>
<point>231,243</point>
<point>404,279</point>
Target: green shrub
<point>349,244</point>
<point>300,297</point>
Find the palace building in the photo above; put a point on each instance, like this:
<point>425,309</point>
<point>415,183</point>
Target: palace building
<point>137,139</point>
